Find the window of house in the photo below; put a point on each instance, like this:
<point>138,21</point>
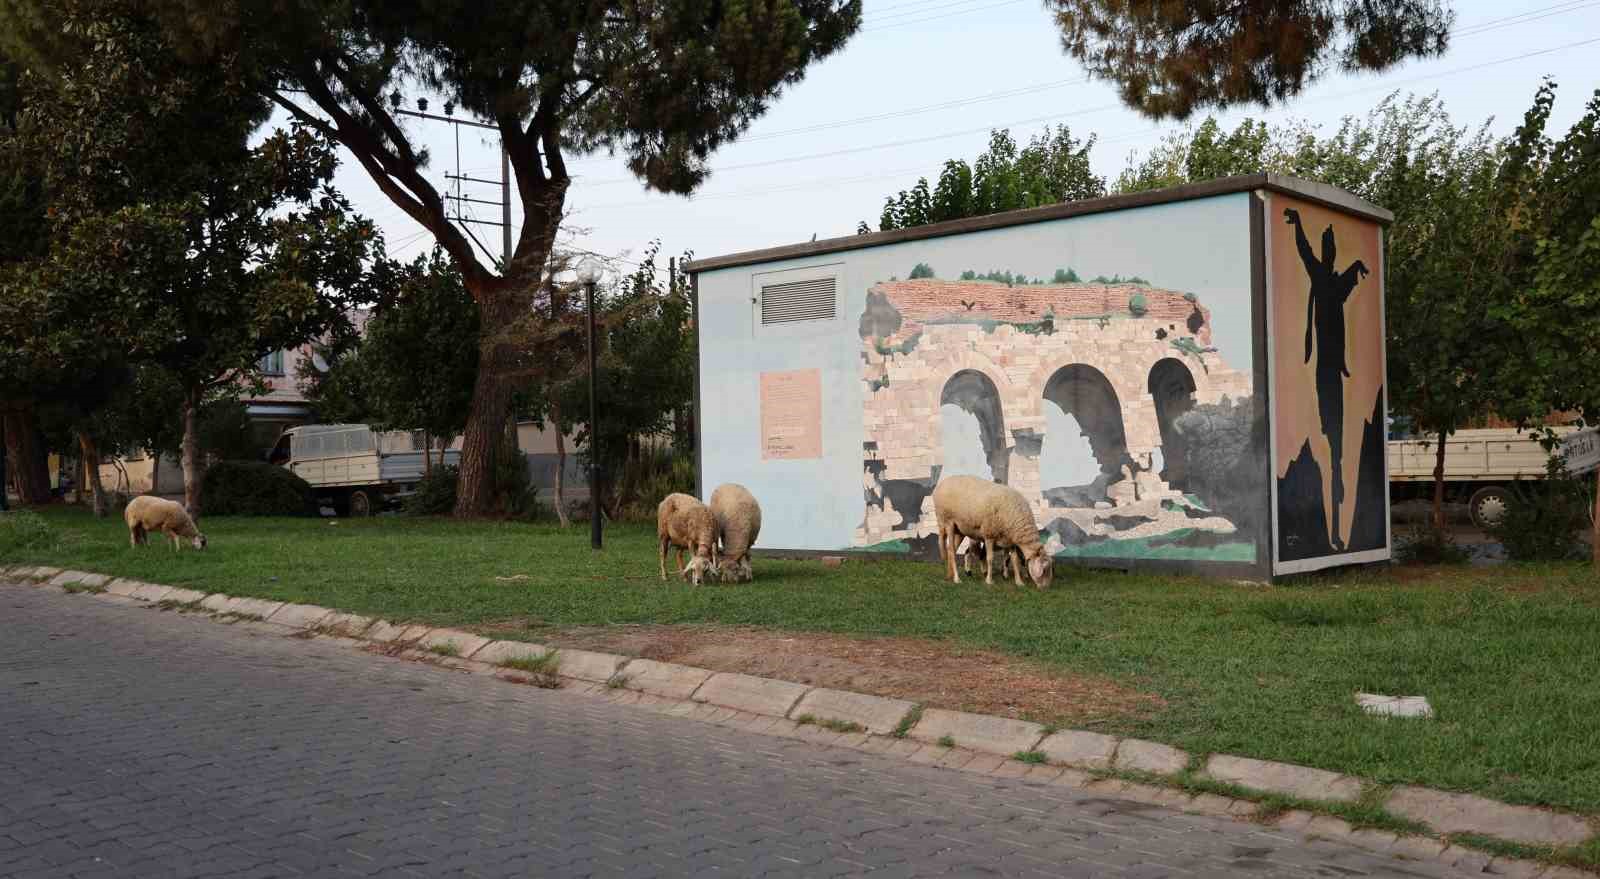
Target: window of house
<point>272,364</point>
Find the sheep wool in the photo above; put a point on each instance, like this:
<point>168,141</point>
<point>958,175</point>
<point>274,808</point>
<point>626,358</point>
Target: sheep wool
<point>148,513</point>
<point>738,522</point>
<point>967,506</point>
<point>682,521</point>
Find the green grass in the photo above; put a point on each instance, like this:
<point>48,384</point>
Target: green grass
<point>829,723</point>
<point>947,742</point>
<point>543,670</point>
<point>1509,657</point>
<point>446,650</point>
<point>1037,758</point>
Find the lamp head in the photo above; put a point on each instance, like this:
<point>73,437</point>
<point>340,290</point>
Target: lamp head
<point>590,269</point>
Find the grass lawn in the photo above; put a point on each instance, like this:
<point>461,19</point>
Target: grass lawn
<point>1509,656</point>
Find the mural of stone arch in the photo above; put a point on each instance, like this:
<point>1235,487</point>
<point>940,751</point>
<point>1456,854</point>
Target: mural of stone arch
<point>1172,387</point>
<point>975,393</point>
<point>1085,394</point>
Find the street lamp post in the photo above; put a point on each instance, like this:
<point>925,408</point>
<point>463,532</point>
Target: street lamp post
<point>589,272</point>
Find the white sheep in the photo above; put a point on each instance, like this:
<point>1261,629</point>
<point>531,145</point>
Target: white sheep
<point>682,521</point>
<point>148,513</point>
<point>974,549</point>
<point>738,522</point>
<point>997,515</point>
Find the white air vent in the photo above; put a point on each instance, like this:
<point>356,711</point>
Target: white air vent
<point>795,301</point>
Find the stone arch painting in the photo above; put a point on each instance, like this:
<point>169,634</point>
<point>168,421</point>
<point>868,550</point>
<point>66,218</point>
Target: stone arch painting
<point>1086,397</point>
<point>1172,388</point>
<point>973,393</point>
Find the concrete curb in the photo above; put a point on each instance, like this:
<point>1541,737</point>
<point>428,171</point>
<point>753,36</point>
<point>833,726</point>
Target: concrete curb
<point>983,744</point>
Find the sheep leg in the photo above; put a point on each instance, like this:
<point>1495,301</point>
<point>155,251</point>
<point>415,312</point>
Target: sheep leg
<point>663,556</point>
<point>681,571</point>
<point>1015,558</point>
<point>950,557</point>
<point>988,560</point>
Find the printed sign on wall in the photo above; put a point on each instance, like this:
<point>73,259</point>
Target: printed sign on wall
<point>791,414</point>
<point>1328,372</point>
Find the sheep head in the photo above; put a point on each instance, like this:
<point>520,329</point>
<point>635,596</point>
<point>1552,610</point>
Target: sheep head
<point>1041,567</point>
<point>198,541</point>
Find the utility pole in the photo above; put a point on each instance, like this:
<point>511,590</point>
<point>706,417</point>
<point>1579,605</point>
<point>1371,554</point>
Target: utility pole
<point>505,204</point>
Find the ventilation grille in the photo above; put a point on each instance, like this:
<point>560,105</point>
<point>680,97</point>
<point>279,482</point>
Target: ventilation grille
<point>798,301</point>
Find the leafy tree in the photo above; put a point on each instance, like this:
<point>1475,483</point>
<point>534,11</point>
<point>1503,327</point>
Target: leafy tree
<point>177,244</point>
<point>921,270</point>
<point>646,378</point>
<point>1052,168</point>
<point>1170,59</point>
<point>665,84</point>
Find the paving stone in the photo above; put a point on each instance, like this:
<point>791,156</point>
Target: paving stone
<point>151,592</point>
<point>216,602</point>
<point>876,714</point>
<point>348,624</point>
<point>1284,778</point>
<point>750,693</point>
<point>496,652</point>
<point>665,679</point>
<point>1153,757</point>
<point>1076,748</point>
<point>123,586</point>
<point>1394,706</point>
<point>183,596</point>
<point>1515,869</point>
<point>44,572</point>
<point>1465,813</point>
<point>252,606</point>
<point>82,578</point>
<point>980,732</point>
<point>383,630</point>
<point>587,665</point>
<point>413,633</point>
<point>300,616</point>
<point>466,644</point>
<point>1417,848</point>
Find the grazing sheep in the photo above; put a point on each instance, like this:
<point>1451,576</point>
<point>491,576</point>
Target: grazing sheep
<point>973,549</point>
<point>995,514</point>
<point>738,522</point>
<point>147,513</point>
<point>684,522</point>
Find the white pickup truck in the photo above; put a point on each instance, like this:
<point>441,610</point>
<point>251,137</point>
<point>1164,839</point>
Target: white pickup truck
<point>1480,465</point>
<point>359,470</point>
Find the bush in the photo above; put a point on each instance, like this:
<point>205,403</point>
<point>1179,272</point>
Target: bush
<point>1425,545</point>
<point>254,488</point>
<point>1543,519</point>
<point>435,494</point>
<point>1138,305</point>
<point>23,530</point>
<point>656,473</point>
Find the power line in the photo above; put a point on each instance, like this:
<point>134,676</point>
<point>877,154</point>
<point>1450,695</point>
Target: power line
<point>925,8</point>
<point>1115,139</point>
<point>937,17</point>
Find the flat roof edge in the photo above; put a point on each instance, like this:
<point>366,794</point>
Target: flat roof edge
<point>1310,190</point>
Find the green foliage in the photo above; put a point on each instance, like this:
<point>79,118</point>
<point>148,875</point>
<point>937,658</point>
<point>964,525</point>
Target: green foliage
<point>1169,59</point>
<point>1543,519</point>
<point>1138,305</point>
<point>254,488</point>
<point>415,364</point>
<point>1065,276</point>
<point>921,270</point>
<point>435,495</point>
<point>224,431</point>
<point>654,474</point>
<point>1424,544</point>
<point>1052,168</point>
<point>22,530</point>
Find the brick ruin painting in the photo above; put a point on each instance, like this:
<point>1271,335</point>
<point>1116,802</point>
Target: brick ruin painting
<point>1151,455</point>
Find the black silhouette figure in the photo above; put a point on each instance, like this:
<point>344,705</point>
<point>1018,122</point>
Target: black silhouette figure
<point>1325,321</point>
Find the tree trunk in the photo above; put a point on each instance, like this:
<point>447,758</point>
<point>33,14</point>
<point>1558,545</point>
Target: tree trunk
<point>191,454</point>
<point>1438,485</point>
<point>501,308</point>
<point>155,472</point>
<point>1594,548</point>
<point>25,458</point>
<point>91,466</point>
<point>561,466</point>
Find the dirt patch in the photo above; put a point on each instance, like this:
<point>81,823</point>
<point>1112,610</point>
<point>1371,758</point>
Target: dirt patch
<point>935,673</point>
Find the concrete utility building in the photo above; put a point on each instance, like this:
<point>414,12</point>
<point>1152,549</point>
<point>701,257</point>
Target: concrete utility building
<point>1191,378</point>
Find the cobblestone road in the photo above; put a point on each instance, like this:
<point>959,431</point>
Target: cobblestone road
<point>135,742</point>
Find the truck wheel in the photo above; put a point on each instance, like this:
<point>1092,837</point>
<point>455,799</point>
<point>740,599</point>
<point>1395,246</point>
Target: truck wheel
<point>1487,506</point>
<point>361,503</point>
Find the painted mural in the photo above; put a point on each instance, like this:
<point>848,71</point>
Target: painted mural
<point>1328,373</point>
<point>1108,404</point>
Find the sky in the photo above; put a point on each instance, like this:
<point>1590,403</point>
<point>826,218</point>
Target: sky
<point>924,81</point>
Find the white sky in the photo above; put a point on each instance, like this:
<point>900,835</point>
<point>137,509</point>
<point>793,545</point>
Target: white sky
<point>809,168</point>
